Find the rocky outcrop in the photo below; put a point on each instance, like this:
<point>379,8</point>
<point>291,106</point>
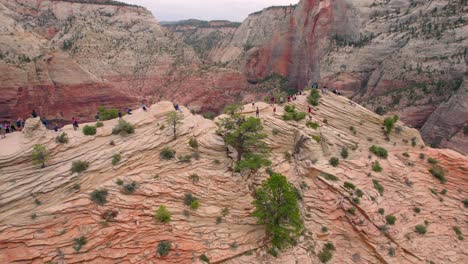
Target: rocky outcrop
<point>83,54</point>
<point>44,209</point>
<point>450,118</point>
<point>202,36</point>
<point>380,53</point>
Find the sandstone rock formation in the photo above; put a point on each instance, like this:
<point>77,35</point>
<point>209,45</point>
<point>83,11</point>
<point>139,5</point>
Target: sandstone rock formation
<point>66,58</point>
<point>43,210</point>
<point>407,56</point>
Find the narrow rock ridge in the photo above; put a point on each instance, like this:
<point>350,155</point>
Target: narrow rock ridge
<point>42,212</point>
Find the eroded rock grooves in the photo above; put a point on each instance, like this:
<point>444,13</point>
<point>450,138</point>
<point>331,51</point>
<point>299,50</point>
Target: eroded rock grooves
<point>66,58</point>
<point>43,232</point>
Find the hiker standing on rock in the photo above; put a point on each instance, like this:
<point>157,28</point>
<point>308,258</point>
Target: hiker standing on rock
<point>143,106</point>
<point>120,114</point>
<point>75,123</point>
<point>272,100</point>
<point>129,111</point>
<point>18,123</point>
<point>274,110</point>
<point>281,100</point>
<point>56,128</point>
<point>310,110</point>
<point>34,114</point>
<point>257,112</point>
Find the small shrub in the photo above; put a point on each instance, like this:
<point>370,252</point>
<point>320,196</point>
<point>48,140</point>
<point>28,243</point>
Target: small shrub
<point>406,154</point>
<point>391,219</point>
<point>443,192</point>
<point>40,155</point>
<point>438,172</point>
<point>314,97</point>
<point>218,220</point>
<point>216,161</point>
<point>352,210</point>
<point>89,130</point>
<point>33,216</point>
<point>325,121</point>
<point>344,153</point>
<point>123,128</point>
<point>324,229</point>
<point>191,201</point>
<point>330,177</point>
<point>196,155</point>
<point>167,153</point>
<point>194,178</point>
<point>79,242</point>
<point>381,211</point>
<point>380,111</point>
<point>432,161</point>
<point>421,229</point>
<point>349,186</point>
<point>209,115</point>
<point>325,256</point>
<point>353,129</point>
<point>413,142</point>
<point>334,161</point>
<point>107,114</point>
<point>391,252</point>
<point>185,158</point>
<point>292,114</point>
<point>130,187</point>
<point>376,167</point>
<point>193,143</point>
<point>163,248</point>
<point>422,156</point>
<point>417,210</point>
<point>378,186</point>
<point>204,258</point>
<point>356,200</point>
<point>99,196</point>
<point>194,205</point>
<point>359,193</point>
<point>62,138</point>
<point>317,138</point>
<point>79,166</point>
<point>116,159</point>
<point>37,202</point>
<point>457,231</point>
<point>99,124</point>
<point>313,125</point>
<point>119,182</point>
<point>275,131</point>
<point>465,203</point>
<point>163,215</point>
<point>112,143</point>
<point>379,151</point>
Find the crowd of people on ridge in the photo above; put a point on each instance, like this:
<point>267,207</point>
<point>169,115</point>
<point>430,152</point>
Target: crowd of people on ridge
<point>6,127</point>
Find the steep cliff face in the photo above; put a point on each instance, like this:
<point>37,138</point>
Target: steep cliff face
<point>407,57</point>
<point>202,36</point>
<point>65,58</point>
<point>45,211</point>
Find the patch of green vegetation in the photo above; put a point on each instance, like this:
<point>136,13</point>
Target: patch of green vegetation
<point>420,229</point>
<point>62,138</point>
<point>116,159</point>
<point>376,166</point>
<point>163,215</point>
<point>378,186</point>
<point>438,172</point>
<point>416,210</point>
<point>79,166</point>
<point>327,252</point>
<point>107,114</point>
<point>40,155</point>
<point>432,161</point>
<point>167,153</point>
<point>163,248</point>
<point>334,161</point>
<point>99,124</point>
<point>317,138</point>
<point>344,153</point>
<point>276,207</point>
<point>379,151</point>
<point>381,211</point>
<point>79,242</point>
<point>330,177</point>
<point>192,201</point>
<point>349,186</point>
<point>457,231</point>
<point>292,114</point>
<point>123,128</point>
<point>204,258</point>
<point>99,196</point>
<point>391,219</point>
<point>129,187</point>
<point>313,125</point>
<point>89,130</point>
<point>314,97</point>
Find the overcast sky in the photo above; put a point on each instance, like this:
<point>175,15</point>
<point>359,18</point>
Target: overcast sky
<point>234,10</point>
